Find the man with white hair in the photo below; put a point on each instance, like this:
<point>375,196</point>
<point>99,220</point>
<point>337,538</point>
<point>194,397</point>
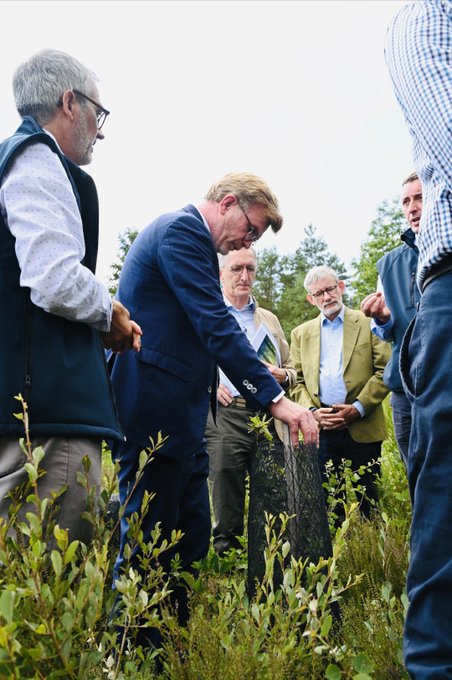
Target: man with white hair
<point>340,365</point>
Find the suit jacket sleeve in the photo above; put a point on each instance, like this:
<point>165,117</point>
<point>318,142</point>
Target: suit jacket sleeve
<point>189,264</point>
<point>374,391</point>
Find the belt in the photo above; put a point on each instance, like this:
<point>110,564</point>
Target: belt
<point>239,402</point>
<point>444,266</point>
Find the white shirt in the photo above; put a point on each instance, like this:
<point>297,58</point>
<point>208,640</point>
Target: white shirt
<point>40,209</point>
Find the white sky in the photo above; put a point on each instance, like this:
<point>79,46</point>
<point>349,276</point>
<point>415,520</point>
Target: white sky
<point>296,92</point>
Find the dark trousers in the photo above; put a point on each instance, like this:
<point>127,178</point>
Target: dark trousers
<point>338,445</point>
<point>426,366</point>
<point>181,502</point>
<point>230,445</point>
<point>401,418</point>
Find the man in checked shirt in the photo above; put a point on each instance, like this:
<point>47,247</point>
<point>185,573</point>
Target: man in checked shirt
<point>419,58</point>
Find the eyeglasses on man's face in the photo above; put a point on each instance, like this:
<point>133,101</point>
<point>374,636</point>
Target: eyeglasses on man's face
<point>238,268</point>
<point>321,293</point>
<point>253,232</point>
<point>101,113</point>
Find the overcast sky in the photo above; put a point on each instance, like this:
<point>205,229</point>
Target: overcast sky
<point>296,92</point>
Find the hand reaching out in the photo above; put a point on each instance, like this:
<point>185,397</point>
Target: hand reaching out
<point>374,305</point>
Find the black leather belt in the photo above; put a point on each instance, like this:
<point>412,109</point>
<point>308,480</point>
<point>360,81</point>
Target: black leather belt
<point>441,268</point>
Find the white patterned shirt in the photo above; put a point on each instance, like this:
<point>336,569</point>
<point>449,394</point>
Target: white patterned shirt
<point>40,209</point>
<point>419,57</point>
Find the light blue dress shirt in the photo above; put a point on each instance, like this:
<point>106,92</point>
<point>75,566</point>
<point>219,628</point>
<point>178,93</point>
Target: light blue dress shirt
<point>331,380</point>
<point>244,316</point>
<point>245,319</point>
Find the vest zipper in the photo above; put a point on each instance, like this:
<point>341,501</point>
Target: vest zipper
<point>28,328</point>
<point>412,284</point>
<point>110,389</point>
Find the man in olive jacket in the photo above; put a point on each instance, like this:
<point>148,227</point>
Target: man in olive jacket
<point>340,365</point>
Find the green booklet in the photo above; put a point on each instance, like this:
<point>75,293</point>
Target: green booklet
<point>266,346</point>
<point>267,350</point>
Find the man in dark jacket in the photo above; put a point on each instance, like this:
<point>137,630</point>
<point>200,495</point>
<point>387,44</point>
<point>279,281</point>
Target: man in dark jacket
<point>170,282</point>
<point>55,311</point>
<point>394,305</point>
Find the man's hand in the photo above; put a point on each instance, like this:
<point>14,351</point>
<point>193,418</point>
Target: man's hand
<point>277,372</point>
<point>336,417</point>
<point>124,333</point>
<point>374,305</point>
<point>224,395</point>
<point>298,419</point>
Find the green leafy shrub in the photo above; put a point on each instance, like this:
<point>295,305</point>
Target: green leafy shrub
<point>339,619</point>
<point>283,633</point>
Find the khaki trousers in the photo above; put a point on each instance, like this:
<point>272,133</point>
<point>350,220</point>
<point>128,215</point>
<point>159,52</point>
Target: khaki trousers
<point>62,461</point>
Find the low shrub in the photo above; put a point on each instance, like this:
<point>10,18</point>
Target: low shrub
<point>340,618</point>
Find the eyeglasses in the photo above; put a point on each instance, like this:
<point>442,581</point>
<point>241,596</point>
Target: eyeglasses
<point>101,113</point>
<point>238,268</point>
<point>321,293</point>
<point>253,232</point>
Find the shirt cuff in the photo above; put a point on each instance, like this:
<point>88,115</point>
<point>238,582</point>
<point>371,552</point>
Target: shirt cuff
<point>278,397</point>
<point>384,326</point>
<point>359,407</point>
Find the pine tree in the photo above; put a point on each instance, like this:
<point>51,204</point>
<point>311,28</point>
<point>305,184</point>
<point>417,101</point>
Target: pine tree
<point>279,285</point>
<point>384,235</point>
<point>125,238</point>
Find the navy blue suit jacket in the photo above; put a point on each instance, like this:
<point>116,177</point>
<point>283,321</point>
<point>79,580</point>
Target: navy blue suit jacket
<point>170,284</point>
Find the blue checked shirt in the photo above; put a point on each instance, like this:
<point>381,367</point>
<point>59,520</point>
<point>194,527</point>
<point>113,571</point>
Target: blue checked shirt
<point>418,54</point>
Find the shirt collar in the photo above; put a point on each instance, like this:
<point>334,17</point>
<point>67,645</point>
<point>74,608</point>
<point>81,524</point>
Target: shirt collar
<point>250,305</point>
<point>205,222</point>
<point>339,317</point>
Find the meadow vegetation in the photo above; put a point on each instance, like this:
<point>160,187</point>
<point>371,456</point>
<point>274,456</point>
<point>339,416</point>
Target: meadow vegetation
<point>339,619</point>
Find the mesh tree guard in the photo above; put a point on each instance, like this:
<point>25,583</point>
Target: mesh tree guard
<point>286,480</point>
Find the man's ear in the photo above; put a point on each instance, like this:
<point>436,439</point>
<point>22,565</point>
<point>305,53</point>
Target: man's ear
<point>68,101</point>
<point>311,299</point>
<point>341,285</point>
<point>227,202</point>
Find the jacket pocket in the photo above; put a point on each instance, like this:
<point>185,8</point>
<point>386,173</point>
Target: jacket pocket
<point>166,363</point>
